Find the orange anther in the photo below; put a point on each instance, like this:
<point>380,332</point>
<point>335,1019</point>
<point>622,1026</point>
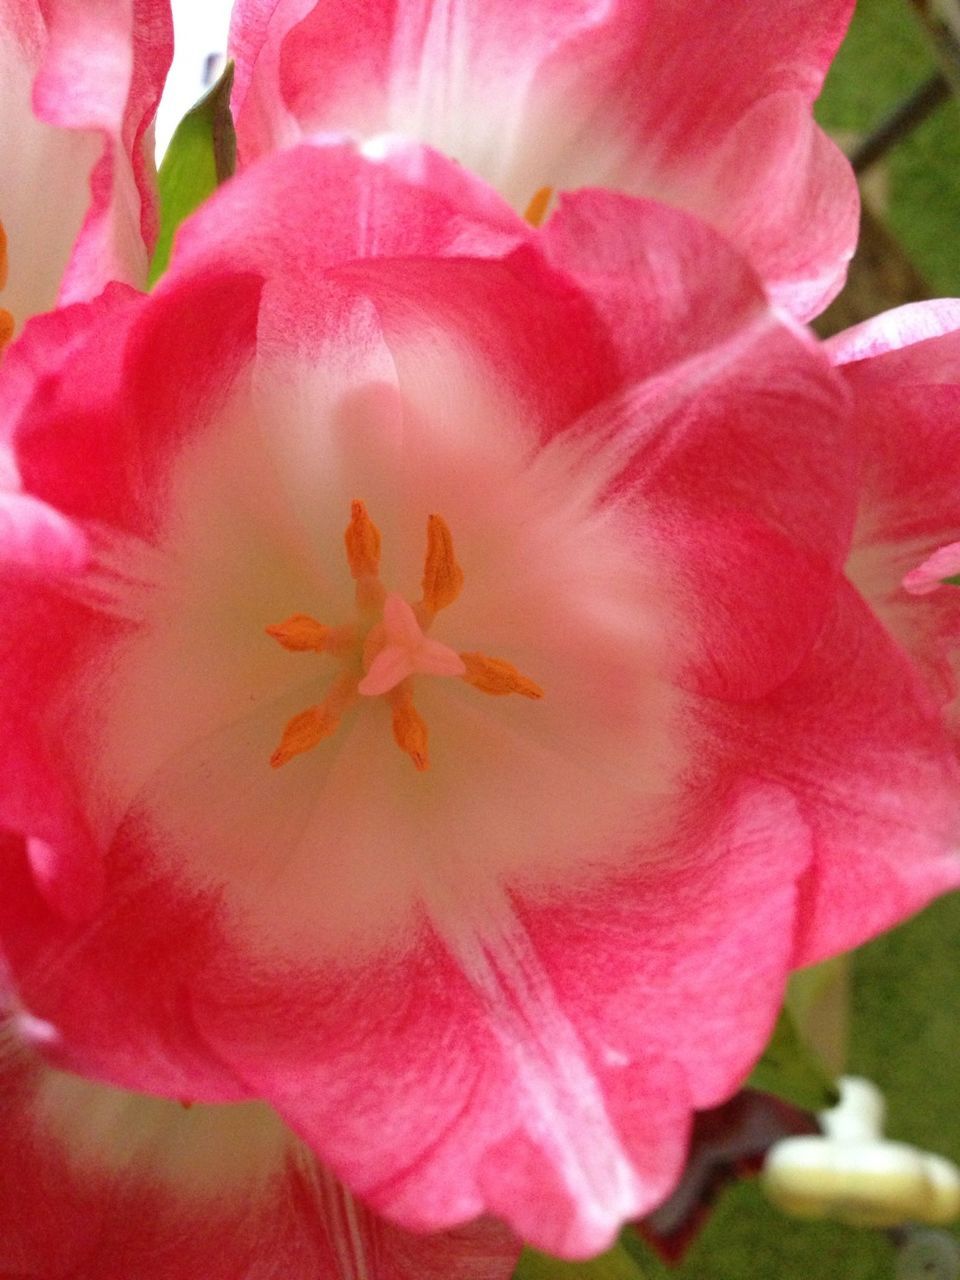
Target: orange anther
<point>301,634</point>
<point>409,728</point>
<point>362,539</point>
<point>6,327</point>
<point>3,256</point>
<point>537,208</point>
<point>493,675</point>
<point>303,733</point>
<point>442,576</point>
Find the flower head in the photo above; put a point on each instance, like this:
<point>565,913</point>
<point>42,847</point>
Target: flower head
<point>707,107</point>
<point>497,968</point>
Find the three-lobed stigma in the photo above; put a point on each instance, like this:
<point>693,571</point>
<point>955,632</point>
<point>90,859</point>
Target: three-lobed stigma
<point>388,646</point>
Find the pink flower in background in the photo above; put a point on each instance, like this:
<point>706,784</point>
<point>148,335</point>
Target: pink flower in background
<point>903,369</point>
<point>705,106</point>
<point>99,1182</point>
<point>79,84</point>
<point>930,575</point>
<point>462,725</point>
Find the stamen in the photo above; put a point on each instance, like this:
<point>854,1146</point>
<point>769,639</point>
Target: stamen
<point>301,634</point>
<point>362,539</point>
<point>495,676</point>
<point>409,727</point>
<point>388,645</point>
<point>303,733</point>
<point>537,208</point>
<point>311,727</point>
<point>442,575</point>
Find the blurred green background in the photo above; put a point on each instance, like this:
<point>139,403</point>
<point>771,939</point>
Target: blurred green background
<point>884,57</point>
<point>906,1037</point>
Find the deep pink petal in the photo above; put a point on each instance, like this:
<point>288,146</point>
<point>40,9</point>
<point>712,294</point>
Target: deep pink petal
<point>709,109</point>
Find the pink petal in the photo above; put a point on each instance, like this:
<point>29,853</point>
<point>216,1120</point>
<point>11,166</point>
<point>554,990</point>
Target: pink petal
<point>901,344</point>
<point>96,73</point>
<point>904,372</point>
<point>96,1179</point>
<point>709,109</point>
<point>876,779</point>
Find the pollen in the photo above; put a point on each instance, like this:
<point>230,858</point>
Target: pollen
<point>387,648</point>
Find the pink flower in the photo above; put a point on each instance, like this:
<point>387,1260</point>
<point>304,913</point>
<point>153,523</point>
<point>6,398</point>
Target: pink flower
<point>99,1182</point>
<point>903,369</point>
<point>79,84</point>
<point>516,555</point>
<point>704,106</point>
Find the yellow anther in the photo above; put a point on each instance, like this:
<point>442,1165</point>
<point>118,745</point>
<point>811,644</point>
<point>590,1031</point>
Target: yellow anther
<point>409,727</point>
<point>493,675</point>
<point>303,733</point>
<point>387,643</point>
<point>362,540</point>
<point>537,208</point>
<point>301,634</point>
<point>442,576</point>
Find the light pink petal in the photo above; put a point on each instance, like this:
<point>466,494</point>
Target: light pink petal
<point>99,1182</point>
<point>901,344</point>
<point>707,108</point>
<point>80,86</point>
<point>929,576</point>
<point>105,71</point>
<point>32,534</point>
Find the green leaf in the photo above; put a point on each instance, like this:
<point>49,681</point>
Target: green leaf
<point>952,582</point>
<point>616,1264</point>
<point>202,154</point>
<point>790,1069</point>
